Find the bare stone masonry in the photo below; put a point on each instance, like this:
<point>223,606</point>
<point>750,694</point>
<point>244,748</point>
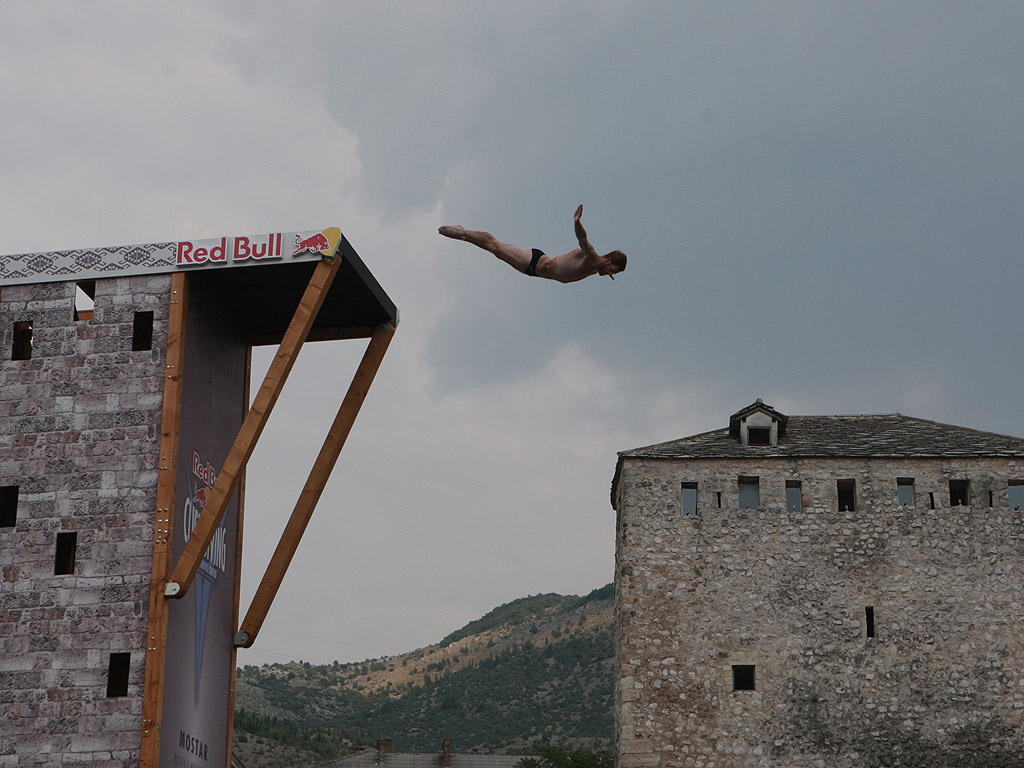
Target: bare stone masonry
<point>886,634</point>
<point>79,439</point>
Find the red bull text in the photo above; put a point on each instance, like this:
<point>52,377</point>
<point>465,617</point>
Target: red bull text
<point>254,248</point>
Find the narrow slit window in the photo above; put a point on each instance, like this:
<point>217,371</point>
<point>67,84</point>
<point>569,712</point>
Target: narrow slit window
<point>905,491</point>
<point>959,493</point>
<point>142,332</point>
<point>869,620</point>
<point>931,500</point>
<point>22,340</point>
<point>64,561</point>
<point>749,492</point>
<point>847,493</point>
<point>8,506</point>
<point>689,500</point>
<point>744,677</point>
<point>85,299</point>
<point>991,499</point>
<point>1016,491</point>
<point>117,676</point>
<point>794,498</point>
<point>718,499</point>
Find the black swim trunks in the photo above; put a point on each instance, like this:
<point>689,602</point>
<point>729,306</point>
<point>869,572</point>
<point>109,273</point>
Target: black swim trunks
<point>532,269</point>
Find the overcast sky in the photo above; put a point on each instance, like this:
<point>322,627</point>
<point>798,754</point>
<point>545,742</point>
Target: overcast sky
<point>820,202</point>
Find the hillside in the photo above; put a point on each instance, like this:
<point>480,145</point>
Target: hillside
<point>540,666</point>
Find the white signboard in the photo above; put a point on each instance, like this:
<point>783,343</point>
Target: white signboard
<point>153,258</point>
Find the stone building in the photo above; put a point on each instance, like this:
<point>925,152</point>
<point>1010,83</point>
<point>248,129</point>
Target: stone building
<point>125,425</point>
<point>821,591</point>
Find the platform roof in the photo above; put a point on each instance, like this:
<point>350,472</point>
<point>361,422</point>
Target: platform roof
<point>261,278</point>
<point>265,298</point>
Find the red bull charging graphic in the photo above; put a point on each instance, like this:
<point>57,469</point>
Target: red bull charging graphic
<point>317,243</point>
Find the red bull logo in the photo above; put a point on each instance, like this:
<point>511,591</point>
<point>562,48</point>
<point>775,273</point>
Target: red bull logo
<point>252,249</point>
<point>314,244</point>
<point>195,503</point>
<point>204,472</point>
<point>323,243</point>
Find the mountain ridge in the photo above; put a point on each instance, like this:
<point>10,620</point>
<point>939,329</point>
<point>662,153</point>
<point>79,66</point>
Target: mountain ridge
<point>535,667</point>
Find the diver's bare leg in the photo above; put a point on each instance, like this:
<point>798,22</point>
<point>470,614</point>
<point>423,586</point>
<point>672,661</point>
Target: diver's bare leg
<point>515,256</point>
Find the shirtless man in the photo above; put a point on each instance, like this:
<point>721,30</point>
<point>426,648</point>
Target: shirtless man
<point>568,268</point>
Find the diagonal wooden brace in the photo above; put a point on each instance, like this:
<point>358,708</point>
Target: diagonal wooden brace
<point>315,484</point>
<point>252,427</point>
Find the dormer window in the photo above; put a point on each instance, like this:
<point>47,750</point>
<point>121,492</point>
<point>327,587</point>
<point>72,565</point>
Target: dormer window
<point>758,425</point>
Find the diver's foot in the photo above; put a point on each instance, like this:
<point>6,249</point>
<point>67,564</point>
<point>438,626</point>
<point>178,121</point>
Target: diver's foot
<point>457,232</point>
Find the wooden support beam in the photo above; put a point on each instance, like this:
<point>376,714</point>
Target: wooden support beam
<point>252,427</point>
<point>236,602</point>
<point>315,484</point>
<point>167,477</point>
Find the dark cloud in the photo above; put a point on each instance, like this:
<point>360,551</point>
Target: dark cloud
<point>819,201</point>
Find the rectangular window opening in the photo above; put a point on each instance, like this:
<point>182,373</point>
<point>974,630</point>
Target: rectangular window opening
<point>759,435</point>
<point>8,506</point>
<point>905,491</point>
<point>743,677</point>
<point>749,492</point>
<point>142,332</point>
<point>689,501</point>
<point>991,498</point>
<point>931,500</point>
<point>718,499</point>
<point>22,340</point>
<point>869,620</point>
<point>117,676</point>
<point>85,299</point>
<point>847,492</point>
<point>64,561</point>
<point>1016,490</point>
<point>959,493</point>
<point>794,500</point>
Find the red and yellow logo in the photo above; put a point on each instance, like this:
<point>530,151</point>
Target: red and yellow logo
<point>323,243</point>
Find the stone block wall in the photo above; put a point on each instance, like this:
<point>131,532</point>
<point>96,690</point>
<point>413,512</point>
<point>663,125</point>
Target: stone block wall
<point>939,683</point>
<point>79,438</point>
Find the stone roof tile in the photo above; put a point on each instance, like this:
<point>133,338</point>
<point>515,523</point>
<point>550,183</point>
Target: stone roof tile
<point>878,435</point>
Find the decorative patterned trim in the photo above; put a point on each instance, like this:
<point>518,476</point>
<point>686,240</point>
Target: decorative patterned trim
<point>87,262</point>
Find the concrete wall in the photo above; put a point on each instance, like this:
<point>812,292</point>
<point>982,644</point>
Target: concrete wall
<point>79,435</point>
<point>940,683</point>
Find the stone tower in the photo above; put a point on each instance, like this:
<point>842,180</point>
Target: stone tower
<point>125,426</point>
<point>821,591</point>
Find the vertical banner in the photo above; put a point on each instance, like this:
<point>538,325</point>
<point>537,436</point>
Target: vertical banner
<point>200,635</point>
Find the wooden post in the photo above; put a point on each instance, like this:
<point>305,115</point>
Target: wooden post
<point>239,538</point>
<point>170,430</point>
<point>252,427</point>
<point>315,483</point>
